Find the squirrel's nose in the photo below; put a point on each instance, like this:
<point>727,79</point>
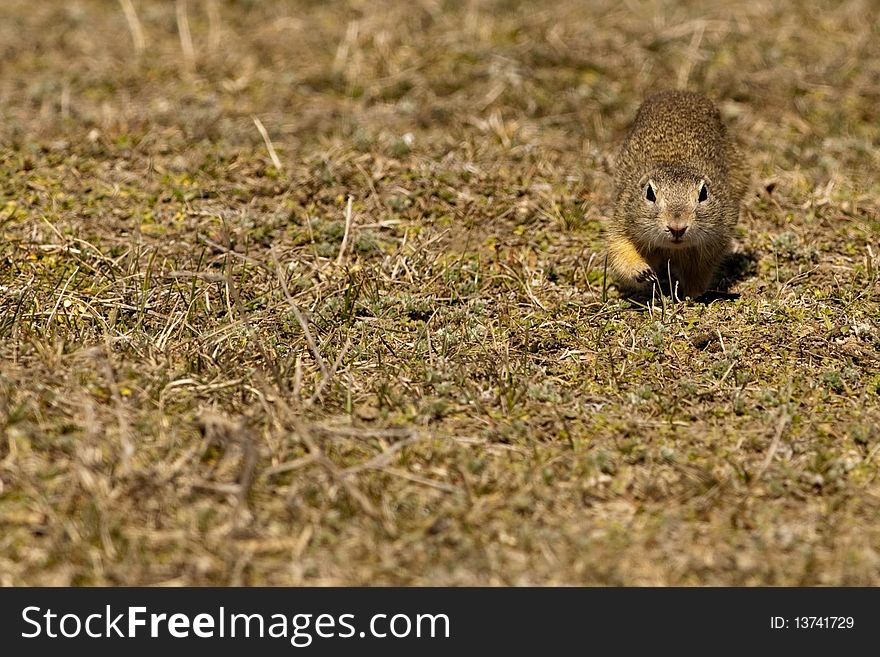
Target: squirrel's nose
<point>676,231</point>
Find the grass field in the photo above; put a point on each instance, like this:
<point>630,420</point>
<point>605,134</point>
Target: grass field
<point>313,293</point>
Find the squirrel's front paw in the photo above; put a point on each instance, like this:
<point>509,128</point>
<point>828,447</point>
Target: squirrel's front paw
<point>645,276</point>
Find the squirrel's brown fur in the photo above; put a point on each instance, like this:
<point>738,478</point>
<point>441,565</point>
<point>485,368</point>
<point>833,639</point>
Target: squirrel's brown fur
<point>679,184</point>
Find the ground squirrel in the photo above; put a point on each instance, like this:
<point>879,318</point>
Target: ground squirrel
<point>679,183</point>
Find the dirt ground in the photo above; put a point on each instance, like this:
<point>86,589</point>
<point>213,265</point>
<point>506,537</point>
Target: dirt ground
<point>312,293</point>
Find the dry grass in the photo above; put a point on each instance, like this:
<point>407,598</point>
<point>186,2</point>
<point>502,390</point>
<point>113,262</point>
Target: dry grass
<point>217,371</point>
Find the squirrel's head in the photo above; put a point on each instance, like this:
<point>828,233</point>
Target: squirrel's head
<point>675,206</point>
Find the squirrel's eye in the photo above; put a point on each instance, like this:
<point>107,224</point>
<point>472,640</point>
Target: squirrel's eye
<point>649,194</point>
<point>704,193</point>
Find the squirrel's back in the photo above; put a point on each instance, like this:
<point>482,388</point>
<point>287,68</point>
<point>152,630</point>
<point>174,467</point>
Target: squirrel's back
<point>681,127</point>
